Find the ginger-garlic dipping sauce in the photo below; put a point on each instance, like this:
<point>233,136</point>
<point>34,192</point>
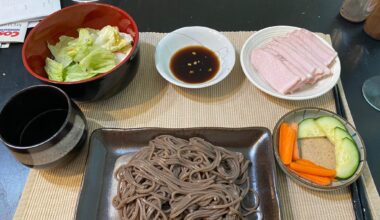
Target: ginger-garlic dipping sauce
<point>194,64</point>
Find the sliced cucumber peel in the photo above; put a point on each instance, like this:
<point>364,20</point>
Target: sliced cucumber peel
<point>328,124</point>
<point>308,128</point>
<point>347,159</point>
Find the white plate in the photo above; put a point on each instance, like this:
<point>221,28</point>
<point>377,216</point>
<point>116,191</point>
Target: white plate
<point>191,36</point>
<point>264,36</point>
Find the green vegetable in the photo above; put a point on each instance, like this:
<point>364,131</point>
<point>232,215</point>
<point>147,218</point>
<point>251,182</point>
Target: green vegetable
<point>82,46</point>
<point>109,38</point>
<point>75,73</point>
<point>328,124</point>
<point>54,70</point>
<point>347,156</point>
<point>308,128</point>
<point>347,159</point>
<point>340,134</point>
<point>99,60</point>
<point>60,50</point>
<point>90,54</point>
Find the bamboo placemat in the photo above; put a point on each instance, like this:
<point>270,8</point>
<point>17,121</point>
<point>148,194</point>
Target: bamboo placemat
<point>150,101</point>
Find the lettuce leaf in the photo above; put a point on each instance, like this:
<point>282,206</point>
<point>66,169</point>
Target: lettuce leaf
<point>91,53</point>
<point>109,38</point>
<point>81,47</point>
<point>54,70</point>
<point>59,50</point>
<point>75,72</point>
<point>99,60</point>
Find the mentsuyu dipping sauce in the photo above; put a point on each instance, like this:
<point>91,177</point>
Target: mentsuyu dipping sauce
<point>194,64</point>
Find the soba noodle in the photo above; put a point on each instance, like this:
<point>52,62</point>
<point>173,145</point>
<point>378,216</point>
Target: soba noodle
<point>174,178</point>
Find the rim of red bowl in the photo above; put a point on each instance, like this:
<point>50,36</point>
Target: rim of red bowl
<point>135,43</point>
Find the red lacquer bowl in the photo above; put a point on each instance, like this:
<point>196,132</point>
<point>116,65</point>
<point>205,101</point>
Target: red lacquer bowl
<point>66,22</point>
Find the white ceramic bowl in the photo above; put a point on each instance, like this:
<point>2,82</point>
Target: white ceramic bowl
<point>264,36</point>
<point>194,36</point>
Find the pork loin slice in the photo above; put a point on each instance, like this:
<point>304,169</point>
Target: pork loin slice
<point>313,49</point>
<point>318,42</point>
<point>286,42</point>
<point>295,45</point>
<point>282,55</point>
<point>273,71</point>
<point>307,69</point>
<point>326,70</point>
<point>302,45</point>
<point>314,46</point>
<point>295,70</point>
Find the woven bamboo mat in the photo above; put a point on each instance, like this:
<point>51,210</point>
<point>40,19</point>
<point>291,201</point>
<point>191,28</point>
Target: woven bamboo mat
<point>150,101</point>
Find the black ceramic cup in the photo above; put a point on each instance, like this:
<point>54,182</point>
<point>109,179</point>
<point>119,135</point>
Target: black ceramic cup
<point>42,127</point>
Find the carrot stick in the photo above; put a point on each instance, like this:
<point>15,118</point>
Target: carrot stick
<point>310,163</point>
<point>296,154</point>
<point>305,162</point>
<point>314,170</point>
<point>286,142</point>
<point>324,181</point>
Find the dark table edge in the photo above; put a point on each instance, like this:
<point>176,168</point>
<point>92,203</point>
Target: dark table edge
<point>359,199</point>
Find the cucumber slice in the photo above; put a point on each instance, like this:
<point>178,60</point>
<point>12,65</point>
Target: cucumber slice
<point>307,128</point>
<point>347,159</point>
<point>328,124</point>
<point>339,135</point>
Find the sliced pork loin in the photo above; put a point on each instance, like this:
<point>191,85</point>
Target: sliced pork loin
<point>321,70</point>
<point>318,42</point>
<point>289,62</point>
<point>300,43</point>
<point>307,69</point>
<point>302,50</point>
<point>316,74</point>
<point>287,43</point>
<point>312,44</point>
<point>274,72</point>
<point>326,70</point>
<point>294,69</point>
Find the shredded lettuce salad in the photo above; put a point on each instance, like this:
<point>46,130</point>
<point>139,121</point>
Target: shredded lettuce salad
<point>92,53</point>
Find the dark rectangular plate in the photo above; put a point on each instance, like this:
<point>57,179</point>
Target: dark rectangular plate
<point>107,145</point>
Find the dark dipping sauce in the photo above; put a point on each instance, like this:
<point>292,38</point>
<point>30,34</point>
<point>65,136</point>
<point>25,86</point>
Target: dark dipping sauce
<point>194,64</point>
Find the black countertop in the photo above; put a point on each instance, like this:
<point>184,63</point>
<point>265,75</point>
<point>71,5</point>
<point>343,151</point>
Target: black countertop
<point>359,54</point>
